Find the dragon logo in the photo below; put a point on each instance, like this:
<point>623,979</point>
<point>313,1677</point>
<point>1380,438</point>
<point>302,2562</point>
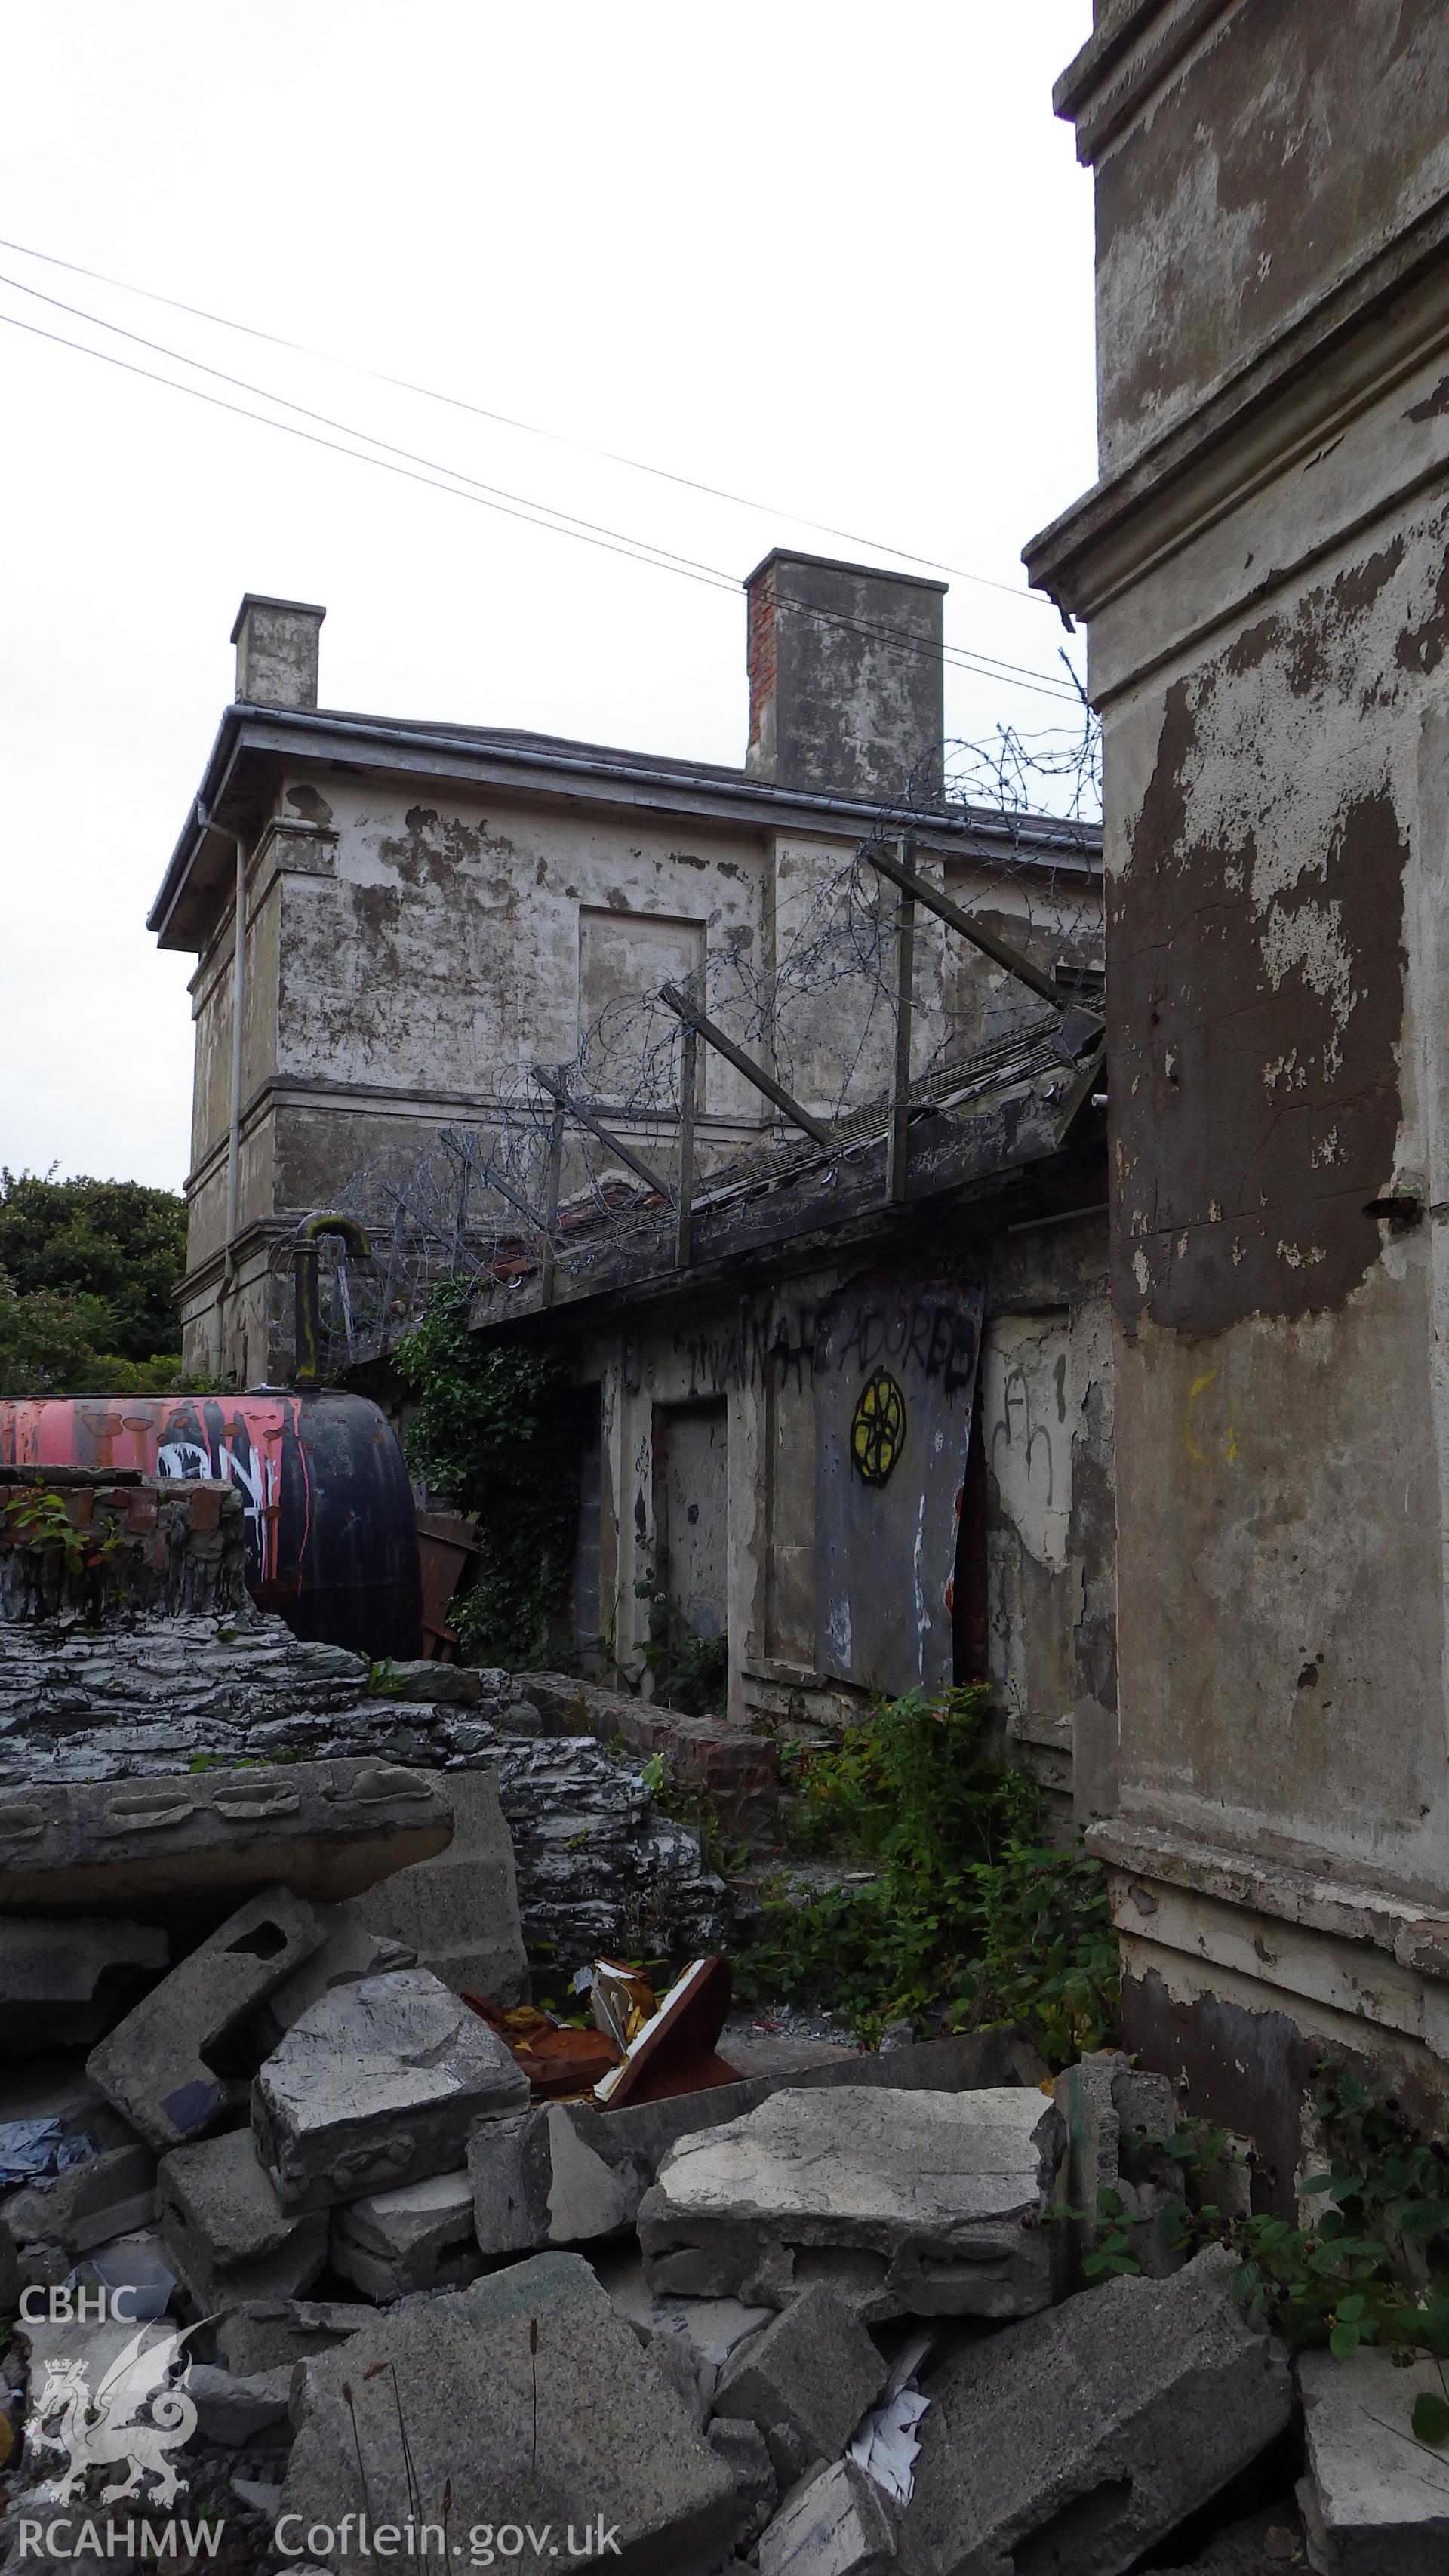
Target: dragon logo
<point>114,2426</point>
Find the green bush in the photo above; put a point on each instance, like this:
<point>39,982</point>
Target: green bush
<point>970,1918</point>
<point>115,1249</point>
<point>498,1430</point>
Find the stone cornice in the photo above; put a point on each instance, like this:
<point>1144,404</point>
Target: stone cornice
<point>1371,332</point>
<point>1133,48</point>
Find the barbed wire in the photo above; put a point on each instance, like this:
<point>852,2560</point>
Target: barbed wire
<point>813,1001</point>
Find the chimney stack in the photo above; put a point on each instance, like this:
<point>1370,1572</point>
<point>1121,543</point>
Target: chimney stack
<point>276,652</point>
<point>845,679</point>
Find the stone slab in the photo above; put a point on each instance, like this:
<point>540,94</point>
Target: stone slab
<point>715,2328</point>
<point>226,2230</point>
<point>66,1979</point>
<point>234,2411</point>
<point>325,1829</point>
<point>536,2183</point>
<point>86,2205</point>
<point>634,2139</point>
<point>378,2085</point>
<point>1079,2439</point>
<point>398,2242</point>
<point>458,1912</point>
<point>1373,2498</point>
<point>257,2335</point>
<point>155,2066</point>
<point>834,2524</point>
<point>1107,2105</point>
<point>814,2370</point>
<point>526,2399</point>
<point>940,2184</point>
<point>349,1953</point>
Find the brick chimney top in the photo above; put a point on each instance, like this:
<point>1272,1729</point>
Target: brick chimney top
<point>845,678</point>
<point>276,651</point>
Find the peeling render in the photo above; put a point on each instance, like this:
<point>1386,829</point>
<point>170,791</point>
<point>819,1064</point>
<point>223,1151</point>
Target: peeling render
<point>1266,572</point>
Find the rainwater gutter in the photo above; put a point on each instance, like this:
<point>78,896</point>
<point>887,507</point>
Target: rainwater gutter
<point>238,1005</point>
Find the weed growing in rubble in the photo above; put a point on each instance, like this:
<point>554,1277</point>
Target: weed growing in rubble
<point>1371,2267</point>
<point>970,1917</point>
<point>498,1430</point>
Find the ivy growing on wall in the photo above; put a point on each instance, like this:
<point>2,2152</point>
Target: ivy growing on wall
<point>497,1429</point>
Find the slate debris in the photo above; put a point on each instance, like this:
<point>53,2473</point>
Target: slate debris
<point>812,2374</point>
<point>458,1913</point>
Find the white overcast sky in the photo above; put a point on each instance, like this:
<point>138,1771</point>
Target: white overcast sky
<point>831,256</point>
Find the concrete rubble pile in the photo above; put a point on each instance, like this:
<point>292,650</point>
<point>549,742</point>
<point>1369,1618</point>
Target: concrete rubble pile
<point>816,2320</point>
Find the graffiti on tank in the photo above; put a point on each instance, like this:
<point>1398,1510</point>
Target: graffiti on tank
<point>232,1459</point>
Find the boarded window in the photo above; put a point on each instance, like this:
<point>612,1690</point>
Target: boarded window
<point>622,957</point>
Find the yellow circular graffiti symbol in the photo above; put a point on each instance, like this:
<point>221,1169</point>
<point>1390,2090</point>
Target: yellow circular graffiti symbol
<point>878,1431</point>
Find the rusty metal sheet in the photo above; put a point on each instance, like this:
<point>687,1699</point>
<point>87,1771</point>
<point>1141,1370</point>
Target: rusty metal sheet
<point>895,1380</point>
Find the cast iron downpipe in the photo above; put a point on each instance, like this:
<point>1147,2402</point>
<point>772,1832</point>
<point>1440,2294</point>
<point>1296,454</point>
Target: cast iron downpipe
<point>308,1369</point>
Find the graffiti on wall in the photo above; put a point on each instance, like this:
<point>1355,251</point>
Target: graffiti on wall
<point>793,1343</point>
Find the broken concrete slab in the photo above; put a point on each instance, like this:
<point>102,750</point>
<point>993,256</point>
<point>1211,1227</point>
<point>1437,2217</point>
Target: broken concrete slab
<point>536,2183</point>
<point>378,2085</point>
<point>258,2335</point>
<point>942,2185</point>
<point>155,2066</point>
<point>203,1838</point>
<point>226,2230</point>
<point>64,1980</point>
<point>349,1952</point>
<point>833,2524</point>
<point>524,2399</point>
<point>86,2205</point>
<point>813,2372</point>
<point>633,2140</point>
<point>1109,2109</point>
<point>1081,2438</point>
<point>458,1912</point>
<point>1373,2498</point>
<point>419,2238</point>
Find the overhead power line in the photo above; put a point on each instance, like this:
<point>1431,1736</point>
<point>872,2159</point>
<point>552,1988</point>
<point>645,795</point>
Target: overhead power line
<point>458,485</point>
<point>530,429</point>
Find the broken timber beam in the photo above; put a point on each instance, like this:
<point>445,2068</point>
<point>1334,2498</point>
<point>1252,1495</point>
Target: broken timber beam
<point>1001,952</point>
<point>688,1084</point>
<point>559,1092</point>
<point>493,1179</point>
<point>898,1129</point>
<point>714,1036</point>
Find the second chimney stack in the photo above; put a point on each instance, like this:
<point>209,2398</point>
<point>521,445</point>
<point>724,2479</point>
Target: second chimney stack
<point>845,679</point>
